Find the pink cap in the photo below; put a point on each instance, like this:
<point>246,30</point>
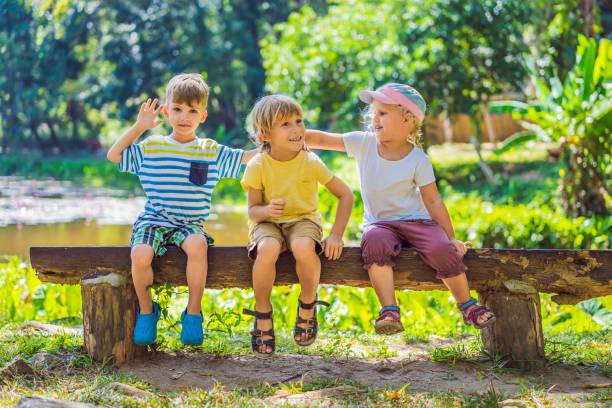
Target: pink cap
<point>397,94</point>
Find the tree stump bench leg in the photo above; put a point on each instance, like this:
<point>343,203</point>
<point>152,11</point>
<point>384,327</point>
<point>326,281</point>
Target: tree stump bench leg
<point>517,333</point>
<point>109,315</point>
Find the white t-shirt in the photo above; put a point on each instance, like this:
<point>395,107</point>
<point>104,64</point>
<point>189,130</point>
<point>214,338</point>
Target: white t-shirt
<point>390,189</point>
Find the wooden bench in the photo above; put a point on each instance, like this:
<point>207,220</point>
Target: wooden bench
<point>508,281</point>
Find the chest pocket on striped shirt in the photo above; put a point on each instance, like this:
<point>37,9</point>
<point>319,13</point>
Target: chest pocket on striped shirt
<point>198,173</point>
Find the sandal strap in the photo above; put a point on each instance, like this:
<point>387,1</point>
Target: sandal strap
<point>476,312</point>
<point>259,333</point>
<point>258,315</point>
<point>308,306</point>
<point>393,314</point>
<point>307,330</point>
<point>256,341</point>
<point>390,308</point>
<point>310,320</point>
<point>464,306</point>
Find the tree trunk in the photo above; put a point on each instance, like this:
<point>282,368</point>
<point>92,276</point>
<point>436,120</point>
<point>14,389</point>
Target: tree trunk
<point>75,112</point>
<point>517,333</point>
<point>109,315</point>
<point>35,135</point>
<point>583,187</point>
<point>486,116</point>
<point>55,142</point>
<point>587,11</point>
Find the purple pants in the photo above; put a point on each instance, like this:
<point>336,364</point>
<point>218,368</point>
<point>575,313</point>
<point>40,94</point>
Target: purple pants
<point>383,240</point>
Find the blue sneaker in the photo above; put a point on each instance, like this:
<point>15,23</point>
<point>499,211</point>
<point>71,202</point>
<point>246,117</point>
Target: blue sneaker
<point>145,330</point>
<point>191,332</point>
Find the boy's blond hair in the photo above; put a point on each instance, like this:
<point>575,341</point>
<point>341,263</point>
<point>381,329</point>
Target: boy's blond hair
<point>268,111</point>
<point>187,88</point>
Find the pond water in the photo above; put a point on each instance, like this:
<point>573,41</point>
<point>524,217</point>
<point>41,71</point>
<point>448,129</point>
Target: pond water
<point>52,213</point>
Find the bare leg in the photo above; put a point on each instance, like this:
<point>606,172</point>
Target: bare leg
<point>142,276</point>
<point>383,284</point>
<point>458,285</point>
<point>379,244</point>
<point>308,269</point>
<point>196,248</point>
<point>264,273</point>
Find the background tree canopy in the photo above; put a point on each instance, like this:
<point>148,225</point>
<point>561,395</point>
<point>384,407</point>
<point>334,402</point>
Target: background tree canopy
<point>75,71</point>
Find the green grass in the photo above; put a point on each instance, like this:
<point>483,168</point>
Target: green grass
<point>24,297</point>
<point>77,378</point>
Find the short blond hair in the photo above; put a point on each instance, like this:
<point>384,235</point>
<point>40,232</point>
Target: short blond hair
<point>268,111</point>
<point>187,88</point>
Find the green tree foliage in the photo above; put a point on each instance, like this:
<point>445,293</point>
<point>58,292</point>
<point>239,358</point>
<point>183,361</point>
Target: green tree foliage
<point>577,113</point>
<point>77,69</point>
<point>456,53</point>
<point>40,53</point>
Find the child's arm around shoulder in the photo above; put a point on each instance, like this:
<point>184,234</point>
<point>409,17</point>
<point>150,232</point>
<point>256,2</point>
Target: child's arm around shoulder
<point>147,119</point>
<point>248,155</point>
<point>317,139</point>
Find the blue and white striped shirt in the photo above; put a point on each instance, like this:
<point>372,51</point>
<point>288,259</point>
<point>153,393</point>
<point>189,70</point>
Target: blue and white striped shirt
<point>178,178</point>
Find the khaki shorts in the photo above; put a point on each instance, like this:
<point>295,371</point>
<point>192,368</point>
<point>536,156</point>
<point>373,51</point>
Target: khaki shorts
<point>284,233</point>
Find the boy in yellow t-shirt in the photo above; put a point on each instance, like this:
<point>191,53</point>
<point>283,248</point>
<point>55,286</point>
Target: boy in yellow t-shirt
<point>282,187</point>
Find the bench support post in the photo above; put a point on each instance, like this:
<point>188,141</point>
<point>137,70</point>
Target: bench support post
<point>517,333</point>
<point>109,315</point>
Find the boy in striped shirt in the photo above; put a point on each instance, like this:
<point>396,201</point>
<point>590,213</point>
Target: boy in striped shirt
<point>178,174</point>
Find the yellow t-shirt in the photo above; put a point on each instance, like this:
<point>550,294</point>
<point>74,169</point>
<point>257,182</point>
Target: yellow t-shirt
<point>296,180</point>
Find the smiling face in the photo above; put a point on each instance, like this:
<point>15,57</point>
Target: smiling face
<point>391,123</point>
<point>276,124</point>
<point>185,117</point>
<point>287,134</point>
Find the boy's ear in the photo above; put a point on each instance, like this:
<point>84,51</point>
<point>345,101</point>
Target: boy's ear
<point>165,109</point>
<point>203,116</point>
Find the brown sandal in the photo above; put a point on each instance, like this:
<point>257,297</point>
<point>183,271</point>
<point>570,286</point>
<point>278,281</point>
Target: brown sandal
<point>475,311</point>
<point>311,331</point>
<point>388,321</point>
<point>256,334</point>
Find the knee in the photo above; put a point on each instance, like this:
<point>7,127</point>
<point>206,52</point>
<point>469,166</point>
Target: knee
<point>444,259</point>
<point>440,250</point>
<point>268,250</point>
<point>302,248</point>
<point>141,255</point>
<point>195,246</point>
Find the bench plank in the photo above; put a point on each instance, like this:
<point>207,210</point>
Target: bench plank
<point>573,275</point>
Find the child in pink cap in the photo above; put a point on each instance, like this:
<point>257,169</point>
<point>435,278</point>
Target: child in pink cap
<point>402,205</point>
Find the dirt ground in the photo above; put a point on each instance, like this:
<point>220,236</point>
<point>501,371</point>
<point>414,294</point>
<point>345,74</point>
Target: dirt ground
<point>176,371</point>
